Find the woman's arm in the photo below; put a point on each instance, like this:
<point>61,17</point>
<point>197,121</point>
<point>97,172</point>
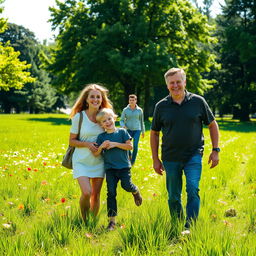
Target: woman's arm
<point>74,142</point>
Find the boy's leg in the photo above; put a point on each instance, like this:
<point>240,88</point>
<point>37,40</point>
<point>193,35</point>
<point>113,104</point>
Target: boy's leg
<point>112,181</point>
<point>126,183</point>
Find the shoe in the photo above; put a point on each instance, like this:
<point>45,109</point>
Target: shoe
<point>111,225</point>
<point>137,198</point>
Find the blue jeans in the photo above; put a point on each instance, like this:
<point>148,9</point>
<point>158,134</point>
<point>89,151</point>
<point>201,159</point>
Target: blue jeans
<point>112,178</point>
<point>192,170</point>
<point>136,137</point>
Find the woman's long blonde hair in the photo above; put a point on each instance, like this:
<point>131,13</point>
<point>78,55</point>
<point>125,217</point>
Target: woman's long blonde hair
<point>81,103</point>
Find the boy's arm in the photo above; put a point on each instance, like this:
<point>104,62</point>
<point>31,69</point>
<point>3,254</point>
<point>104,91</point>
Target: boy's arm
<point>125,146</point>
<point>105,144</point>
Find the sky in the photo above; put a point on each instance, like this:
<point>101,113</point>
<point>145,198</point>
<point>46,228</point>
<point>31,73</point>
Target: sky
<point>34,14</point>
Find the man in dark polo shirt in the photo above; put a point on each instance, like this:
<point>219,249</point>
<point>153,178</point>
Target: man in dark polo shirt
<point>180,116</point>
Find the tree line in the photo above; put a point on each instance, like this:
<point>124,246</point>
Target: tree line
<point>127,46</point>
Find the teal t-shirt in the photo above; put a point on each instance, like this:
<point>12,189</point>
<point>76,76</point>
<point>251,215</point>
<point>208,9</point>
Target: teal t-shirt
<point>115,158</point>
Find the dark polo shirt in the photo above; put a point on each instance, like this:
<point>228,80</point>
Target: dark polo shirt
<point>181,126</point>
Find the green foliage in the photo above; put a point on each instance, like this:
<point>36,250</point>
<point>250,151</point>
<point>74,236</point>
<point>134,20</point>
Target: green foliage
<point>12,74</point>
<point>129,43</point>
<point>34,220</point>
<point>37,95</point>
<point>12,70</point>
<point>237,53</point>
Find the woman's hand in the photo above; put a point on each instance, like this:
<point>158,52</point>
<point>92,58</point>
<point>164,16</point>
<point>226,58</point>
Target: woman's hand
<point>93,146</point>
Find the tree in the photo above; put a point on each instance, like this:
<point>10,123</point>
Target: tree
<point>36,96</point>
<point>12,70</point>
<point>129,45</point>
<point>237,36</point>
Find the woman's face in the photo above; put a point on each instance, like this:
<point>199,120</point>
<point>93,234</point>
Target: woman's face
<point>94,99</point>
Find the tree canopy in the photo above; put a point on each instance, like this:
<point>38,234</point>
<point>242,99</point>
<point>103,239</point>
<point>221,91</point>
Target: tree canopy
<point>13,72</point>
<point>128,45</point>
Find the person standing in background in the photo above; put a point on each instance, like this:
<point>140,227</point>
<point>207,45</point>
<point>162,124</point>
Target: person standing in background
<point>132,119</point>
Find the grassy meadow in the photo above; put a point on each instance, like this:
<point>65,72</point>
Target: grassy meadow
<point>39,213</point>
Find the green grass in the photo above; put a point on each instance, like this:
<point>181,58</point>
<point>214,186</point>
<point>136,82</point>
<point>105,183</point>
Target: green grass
<point>34,220</point>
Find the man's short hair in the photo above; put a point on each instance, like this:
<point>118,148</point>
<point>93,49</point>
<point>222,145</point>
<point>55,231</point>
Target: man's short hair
<point>132,96</point>
<point>173,71</point>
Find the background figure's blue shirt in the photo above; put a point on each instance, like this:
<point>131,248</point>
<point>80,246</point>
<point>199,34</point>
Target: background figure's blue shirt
<point>115,158</point>
<point>133,119</point>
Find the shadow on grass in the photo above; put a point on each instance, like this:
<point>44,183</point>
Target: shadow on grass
<point>224,124</point>
<point>52,120</point>
<point>236,126</point>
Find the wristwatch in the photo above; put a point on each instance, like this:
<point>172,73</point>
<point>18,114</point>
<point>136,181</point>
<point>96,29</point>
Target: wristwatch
<point>216,149</point>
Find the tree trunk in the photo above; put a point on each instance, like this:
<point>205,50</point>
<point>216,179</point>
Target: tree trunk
<point>244,113</point>
<point>146,102</point>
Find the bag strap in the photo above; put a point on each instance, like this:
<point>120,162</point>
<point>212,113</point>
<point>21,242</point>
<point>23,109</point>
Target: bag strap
<point>80,123</point>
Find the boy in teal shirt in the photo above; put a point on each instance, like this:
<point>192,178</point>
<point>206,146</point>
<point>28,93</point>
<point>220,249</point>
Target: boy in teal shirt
<point>114,145</point>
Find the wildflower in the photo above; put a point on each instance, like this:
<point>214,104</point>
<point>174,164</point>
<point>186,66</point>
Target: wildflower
<point>44,163</point>
<point>35,170</point>
<point>47,199</point>
<point>63,200</point>
<point>6,225</point>
<point>21,206</point>
<point>10,175</point>
<point>11,203</point>
<point>44,182</point>
<point>185,232</point>
<point>222,202</point>
<point>67,207</point>
<point>88,235</point>
<point>122,226</point>
<point>214,216</point>
<point>154,194</point>
<point>226,223</point>
<point>29,169</point>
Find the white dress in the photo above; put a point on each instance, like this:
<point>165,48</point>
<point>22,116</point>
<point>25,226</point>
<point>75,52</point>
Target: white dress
<point>84,162</point>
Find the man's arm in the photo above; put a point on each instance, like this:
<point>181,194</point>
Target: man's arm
<point>122,119</point>
<point>154,143</point>
<point>142,124</point>
<point>214,134</point>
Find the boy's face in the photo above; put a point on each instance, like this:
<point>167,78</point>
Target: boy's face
<point>107,122</point>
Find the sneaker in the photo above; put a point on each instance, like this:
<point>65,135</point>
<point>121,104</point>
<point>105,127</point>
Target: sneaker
<point>137,198</point>
<point>111,225</point>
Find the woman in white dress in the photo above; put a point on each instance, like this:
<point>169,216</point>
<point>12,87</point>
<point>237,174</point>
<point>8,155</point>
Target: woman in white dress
<point>88,169</point>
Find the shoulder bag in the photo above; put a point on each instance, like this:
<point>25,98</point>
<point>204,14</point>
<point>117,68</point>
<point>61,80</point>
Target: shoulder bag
<point>67,158</point>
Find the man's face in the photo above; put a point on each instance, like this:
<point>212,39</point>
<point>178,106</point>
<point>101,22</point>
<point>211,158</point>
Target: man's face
<point>132,102</point>
<point>176,85</point>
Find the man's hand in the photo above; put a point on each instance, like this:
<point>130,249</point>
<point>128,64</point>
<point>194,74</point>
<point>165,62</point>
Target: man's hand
<point>213,159</point>
<point>158,167</point>
<point>142,135</point>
